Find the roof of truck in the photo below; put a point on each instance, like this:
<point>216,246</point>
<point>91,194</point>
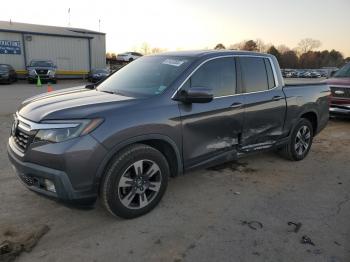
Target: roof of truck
<point>201,53</point>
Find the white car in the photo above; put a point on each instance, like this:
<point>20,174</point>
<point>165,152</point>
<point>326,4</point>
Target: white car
<point>128,56</point>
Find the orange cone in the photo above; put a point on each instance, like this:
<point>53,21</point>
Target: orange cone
<point>49,88</point>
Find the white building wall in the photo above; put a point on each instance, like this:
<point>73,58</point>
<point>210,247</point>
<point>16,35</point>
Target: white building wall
<point>68,53</point>
<point>16,60</point>
<point>98,51</point>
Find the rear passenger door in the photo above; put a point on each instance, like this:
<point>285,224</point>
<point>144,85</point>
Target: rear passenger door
<point>211,130</point>
<point>265,104</point>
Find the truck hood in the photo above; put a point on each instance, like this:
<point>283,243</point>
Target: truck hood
<point>344,81</point>
<point>70,103</point>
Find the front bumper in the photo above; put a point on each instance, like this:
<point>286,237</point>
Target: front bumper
<point>71,186</point>
<point>339,110</point>
<point>42,77</point>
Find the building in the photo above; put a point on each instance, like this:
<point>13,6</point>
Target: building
<point>75,51</point>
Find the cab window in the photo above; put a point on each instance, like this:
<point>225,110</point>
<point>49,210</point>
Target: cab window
<point>219,75</point>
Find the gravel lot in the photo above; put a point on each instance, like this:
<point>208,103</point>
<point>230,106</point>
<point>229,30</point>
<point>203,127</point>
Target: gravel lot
<point>204,215</point>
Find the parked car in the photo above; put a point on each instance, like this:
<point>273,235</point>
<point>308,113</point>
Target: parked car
<point>161,116</point>
<point>7,74</point>
<point>96,75</point>
<point>128,56</point>
<point>340,87</point>
<point>315,74</point>
<point>45,69</point>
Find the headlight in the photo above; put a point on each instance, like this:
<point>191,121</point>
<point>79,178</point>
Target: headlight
<point>51,72</point>
<point>60,132</point>
<point>32,72</point>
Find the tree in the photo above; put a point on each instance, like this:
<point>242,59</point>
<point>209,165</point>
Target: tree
<point>308,44</point>
<point>336,58</point>
<point>289,59</point>
<point>108,55</point>
<point>145,48</point>
<point>283,48</point>
<point>261,46</point>
<point>156,50</point>
<point>273,51</point>
<point>219,47</point>
<point>237,46</point>
<point>113,56</point>
<point>347,60</point>
<point>250,45</point>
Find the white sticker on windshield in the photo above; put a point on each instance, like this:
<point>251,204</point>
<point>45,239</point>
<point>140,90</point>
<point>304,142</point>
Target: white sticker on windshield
<point>173,62</point>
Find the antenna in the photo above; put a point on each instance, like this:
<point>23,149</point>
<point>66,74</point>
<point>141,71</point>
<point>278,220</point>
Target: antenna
<point>69,16</point>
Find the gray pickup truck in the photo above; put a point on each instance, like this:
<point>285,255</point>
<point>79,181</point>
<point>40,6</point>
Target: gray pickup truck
<point>161,116</point>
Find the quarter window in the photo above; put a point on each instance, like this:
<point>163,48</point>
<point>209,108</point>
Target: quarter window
<point>219,75</point>
<point>254,74</point>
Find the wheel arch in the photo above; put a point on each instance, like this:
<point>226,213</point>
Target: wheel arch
<point>161,142</point>
<point>313,118</point>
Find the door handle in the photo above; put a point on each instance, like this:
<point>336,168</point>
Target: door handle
<point>236,105</point>
<point>277,98</point>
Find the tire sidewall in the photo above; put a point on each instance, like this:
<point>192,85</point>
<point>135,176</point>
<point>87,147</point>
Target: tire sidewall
<point>301,123</point>
<point>117,169</point>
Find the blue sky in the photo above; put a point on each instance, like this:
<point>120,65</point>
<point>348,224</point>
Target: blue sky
<point>196,24</point>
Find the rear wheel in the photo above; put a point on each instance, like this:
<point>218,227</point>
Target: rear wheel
<point>135,182</point>
<point>300,141</point>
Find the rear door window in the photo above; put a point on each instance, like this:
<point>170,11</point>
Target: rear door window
<point>219,75</point>
<point>254,74</point>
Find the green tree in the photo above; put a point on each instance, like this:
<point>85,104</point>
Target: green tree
<point>219,47</point>
<point>250,45</point>
<point>273,51</point>
<point>289,59</point>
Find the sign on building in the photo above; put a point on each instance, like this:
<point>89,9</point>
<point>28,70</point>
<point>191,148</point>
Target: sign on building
<point>10,47</point>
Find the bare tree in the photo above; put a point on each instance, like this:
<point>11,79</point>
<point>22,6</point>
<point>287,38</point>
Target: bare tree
<point>145,48</point>
<point>283,48</point>
<point>261,46</point>
<point>156,50</point>
<point>308,44</point>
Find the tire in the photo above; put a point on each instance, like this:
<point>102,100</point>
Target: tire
<point>128,193</point>
<point>131,59</point>
<point>298,149</point>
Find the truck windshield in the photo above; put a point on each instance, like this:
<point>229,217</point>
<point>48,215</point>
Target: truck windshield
<point>146,76</point>
<point>343,72</point>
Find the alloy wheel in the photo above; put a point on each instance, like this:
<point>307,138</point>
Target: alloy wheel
<point>139,184</point>
<point>302,140</point>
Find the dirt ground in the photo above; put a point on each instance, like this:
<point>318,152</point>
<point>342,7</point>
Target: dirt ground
<point>234,212</point>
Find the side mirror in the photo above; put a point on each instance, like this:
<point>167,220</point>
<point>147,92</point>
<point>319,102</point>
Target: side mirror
<point>195,95</point>
<point>90,86</point>
<point>332,73</point>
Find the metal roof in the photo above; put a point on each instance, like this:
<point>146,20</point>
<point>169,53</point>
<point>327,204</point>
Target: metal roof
<point>15,27</point>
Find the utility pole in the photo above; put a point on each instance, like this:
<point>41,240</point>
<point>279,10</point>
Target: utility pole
<point>99,25</point>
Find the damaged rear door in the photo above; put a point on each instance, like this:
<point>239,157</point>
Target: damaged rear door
<point>211,130</point>
<point>265,104</point>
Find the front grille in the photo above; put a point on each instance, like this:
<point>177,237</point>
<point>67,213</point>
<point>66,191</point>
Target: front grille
<point>27,180</point>
<point>41,71</point>
<point>342,92</point>
<point>22,139</point>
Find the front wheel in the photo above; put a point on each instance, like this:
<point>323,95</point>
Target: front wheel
<point>135,181</point>
<point>300,141</point>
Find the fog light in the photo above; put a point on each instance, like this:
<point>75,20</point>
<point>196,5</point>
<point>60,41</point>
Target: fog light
<point>49,185</point>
